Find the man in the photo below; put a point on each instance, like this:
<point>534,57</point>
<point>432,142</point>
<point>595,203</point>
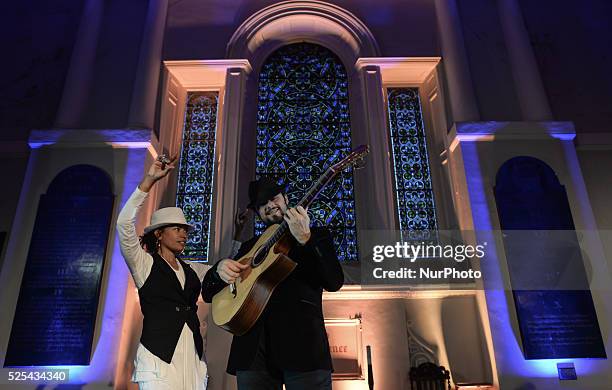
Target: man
<point>288,343</point>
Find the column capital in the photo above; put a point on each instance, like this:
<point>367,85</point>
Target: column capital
<point>198,74</point>
<point>503,130</point>
<point>117,138</point>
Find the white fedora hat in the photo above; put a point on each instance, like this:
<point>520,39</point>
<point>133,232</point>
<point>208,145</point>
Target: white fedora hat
<point>167,216</point>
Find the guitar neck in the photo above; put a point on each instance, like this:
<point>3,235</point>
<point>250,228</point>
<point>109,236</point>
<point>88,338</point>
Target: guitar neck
<point>316,189</point>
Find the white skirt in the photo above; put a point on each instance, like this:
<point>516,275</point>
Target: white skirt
<point>186,371</point>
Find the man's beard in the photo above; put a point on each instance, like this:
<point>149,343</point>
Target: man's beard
<point>276,217</point>
<point>274,220</point>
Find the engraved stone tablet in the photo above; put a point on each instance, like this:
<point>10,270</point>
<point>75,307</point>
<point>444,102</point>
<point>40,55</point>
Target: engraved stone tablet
<point>56,311</point>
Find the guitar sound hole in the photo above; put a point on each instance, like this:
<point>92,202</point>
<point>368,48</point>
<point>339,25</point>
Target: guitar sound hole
<point>259,257</point>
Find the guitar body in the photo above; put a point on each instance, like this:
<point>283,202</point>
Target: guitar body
<point>237,312</point>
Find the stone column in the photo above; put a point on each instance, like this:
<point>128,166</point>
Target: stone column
<point>144,93</point>
<point>79,77</point>
<point>228,143</point>
<point>459,81</point>
<point>527,81</point>
<point>380,211</point>
<point>226,199</point>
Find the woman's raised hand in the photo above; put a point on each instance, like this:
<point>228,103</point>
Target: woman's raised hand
<point>158,170</point>
<point>161,167</point>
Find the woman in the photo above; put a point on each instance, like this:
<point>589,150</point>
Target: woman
<point>170,353</point>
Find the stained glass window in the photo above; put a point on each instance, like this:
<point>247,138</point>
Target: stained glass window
<point>196,168</point>
<point>303,127</point>
<point>414,193</point>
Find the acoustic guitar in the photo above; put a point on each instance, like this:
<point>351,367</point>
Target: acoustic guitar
<point>237,307</point>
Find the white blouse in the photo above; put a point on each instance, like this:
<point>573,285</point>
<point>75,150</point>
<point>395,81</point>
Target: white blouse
<point>186,370</point>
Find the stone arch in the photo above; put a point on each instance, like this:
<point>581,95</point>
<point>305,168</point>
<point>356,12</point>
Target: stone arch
<point>311,21</point>
<point>530,196</point>
<point>292,21</point>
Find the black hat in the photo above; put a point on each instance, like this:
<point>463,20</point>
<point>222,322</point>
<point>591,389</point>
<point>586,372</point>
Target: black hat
<point>262,190</point>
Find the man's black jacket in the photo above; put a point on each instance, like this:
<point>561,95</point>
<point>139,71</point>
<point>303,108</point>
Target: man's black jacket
<point>292,322</point>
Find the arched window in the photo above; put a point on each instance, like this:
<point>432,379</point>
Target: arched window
<point>196,167</point>
<point>413,185</point>
<point>303,127</point>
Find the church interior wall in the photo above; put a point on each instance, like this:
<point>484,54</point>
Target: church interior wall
<point>568,47</point>
<point>197,30</point>
<point>114,70</point>
<point>488,61</point>
<point>125,167</point>
<point>399,328</point>
<point>14,160</point>
<point>595,161</point>
<point>571,43</point>
<point>32,79</point>
<point>482,160</point>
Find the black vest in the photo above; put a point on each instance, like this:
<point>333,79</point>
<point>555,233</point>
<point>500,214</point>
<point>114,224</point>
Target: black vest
<point>167,307</point>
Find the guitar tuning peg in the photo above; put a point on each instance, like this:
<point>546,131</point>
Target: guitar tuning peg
<point>360,164</point>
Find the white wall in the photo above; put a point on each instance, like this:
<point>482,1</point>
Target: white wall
<point>125,167</point>
<point>446,321</point>
<point>478,152</point>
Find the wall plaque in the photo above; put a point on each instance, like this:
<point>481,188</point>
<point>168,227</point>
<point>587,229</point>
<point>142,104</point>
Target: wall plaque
<point>552,296</point>
<point>58,301</point>
<point>346,347</point>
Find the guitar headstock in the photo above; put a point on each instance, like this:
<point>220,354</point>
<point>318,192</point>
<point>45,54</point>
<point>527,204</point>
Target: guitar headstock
<point>355,157</point>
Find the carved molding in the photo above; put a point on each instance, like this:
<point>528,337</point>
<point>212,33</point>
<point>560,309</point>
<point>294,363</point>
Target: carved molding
<point>418,350</point>
<point>290,21</point>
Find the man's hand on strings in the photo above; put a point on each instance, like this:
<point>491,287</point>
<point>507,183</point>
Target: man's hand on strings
<point>299,224</point>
